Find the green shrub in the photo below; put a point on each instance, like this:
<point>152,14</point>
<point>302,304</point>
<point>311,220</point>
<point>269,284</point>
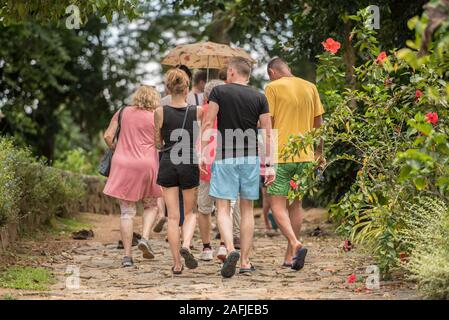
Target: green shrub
<point>28,186</point>
<point>426,233</point>
<point>383,142</point>
<point>77,160</point>
<point>9,185</point>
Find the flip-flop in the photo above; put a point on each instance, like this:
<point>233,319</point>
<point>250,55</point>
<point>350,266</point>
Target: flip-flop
<point>177,272</point>
<point>228,269</point>
<point>160,225</point>
<point>286,265</point>
<point>190,260</point>
<point>299,259</point>
<point>248,270</point>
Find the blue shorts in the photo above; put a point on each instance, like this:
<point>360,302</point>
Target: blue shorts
<point>232,177</point>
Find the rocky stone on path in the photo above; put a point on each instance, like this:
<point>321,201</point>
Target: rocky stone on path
<point>83,234</point>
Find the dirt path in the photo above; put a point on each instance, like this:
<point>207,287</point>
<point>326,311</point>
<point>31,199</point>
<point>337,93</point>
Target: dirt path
<point>101,276</point>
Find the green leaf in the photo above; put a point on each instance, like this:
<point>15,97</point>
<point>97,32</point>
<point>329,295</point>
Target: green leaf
<point>420,183</point>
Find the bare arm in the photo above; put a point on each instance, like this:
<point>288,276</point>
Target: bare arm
<point>317,122</point>
<point>265,125</point>
<point>208,120</point>
<point>158,120</point>
<point>110,133</point>
<point>199,114</point>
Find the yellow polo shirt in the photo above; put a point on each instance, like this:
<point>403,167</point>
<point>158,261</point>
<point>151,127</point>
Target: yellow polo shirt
<point>294,103</point>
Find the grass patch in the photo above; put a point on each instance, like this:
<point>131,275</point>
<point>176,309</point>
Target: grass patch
<point>56,226</point>
<point>26,278</point>
<point>67,225</point>
<point>8,296</point>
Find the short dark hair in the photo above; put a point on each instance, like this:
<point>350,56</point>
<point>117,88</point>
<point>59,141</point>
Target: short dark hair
<point>276,62</point>
<point>199,76</point>
<point>242,65</point>
<point>186,69</point>
<point>223,74</point>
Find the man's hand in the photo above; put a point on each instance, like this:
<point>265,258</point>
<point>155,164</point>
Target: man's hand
<point>270,175</point>
<point>202,164</point>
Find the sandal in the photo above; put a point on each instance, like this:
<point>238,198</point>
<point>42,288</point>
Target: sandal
<point>160,224</point>
<point>248,270</point>
<point>286,265</point>
<point>190,260</point>
<point>228,269</point>
<point>177,272</point>
<point>299,259</point>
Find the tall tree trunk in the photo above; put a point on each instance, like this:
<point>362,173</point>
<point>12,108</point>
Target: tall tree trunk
<point>219,27</point>
<point>218,31</point>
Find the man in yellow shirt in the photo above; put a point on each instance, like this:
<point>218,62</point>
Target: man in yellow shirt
<point>296,109</point>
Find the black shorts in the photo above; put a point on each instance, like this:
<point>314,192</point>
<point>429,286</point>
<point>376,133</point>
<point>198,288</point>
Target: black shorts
<point>184,176</point>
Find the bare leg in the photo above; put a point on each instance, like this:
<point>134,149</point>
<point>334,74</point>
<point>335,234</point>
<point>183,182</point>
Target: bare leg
<point>295,214</point>
<point>224,220</point>
<point>281,214</point>
<point>171,198</point>
<point>266,207</point>
<point>188,227</point>
<point>150,211</point>
<point>204,223</point>
<point>161,207</point>
<point>235,208</point>
<point>246,231</point>
<point>128,212</point>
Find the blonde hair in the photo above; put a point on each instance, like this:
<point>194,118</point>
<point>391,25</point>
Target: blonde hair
<point>177,81</point>
<point>146,97</point>
<point>210,85</point>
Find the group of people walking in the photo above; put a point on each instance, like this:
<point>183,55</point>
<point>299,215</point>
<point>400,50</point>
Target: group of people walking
<point>207,148</point>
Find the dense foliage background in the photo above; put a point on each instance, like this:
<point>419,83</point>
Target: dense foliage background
<point>388,150</point>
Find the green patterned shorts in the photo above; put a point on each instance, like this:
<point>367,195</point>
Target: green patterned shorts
<point>284,173</point>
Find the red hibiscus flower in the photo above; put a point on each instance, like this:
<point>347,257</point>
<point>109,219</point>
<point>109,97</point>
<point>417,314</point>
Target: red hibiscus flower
<point>381,57</point>
<point>352,278</point>
<point>331,45</point>
<point>432,117</point>
<point>293,184</point>
<point>418,94</point>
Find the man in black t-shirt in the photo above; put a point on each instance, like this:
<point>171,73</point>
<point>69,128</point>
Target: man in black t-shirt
<point>238,108</point>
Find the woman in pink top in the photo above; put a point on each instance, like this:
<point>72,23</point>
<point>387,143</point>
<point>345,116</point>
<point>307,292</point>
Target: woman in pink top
<point>134,168</point>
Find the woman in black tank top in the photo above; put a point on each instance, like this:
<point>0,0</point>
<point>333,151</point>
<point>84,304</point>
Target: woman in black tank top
<point>178,169</point>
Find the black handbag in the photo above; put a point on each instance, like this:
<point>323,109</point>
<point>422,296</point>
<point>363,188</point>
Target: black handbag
<point>105,164</point>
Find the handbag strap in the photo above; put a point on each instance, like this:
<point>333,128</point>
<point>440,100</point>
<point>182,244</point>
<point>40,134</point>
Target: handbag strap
<point>197,100</point>
<point>119,126</point>
<point>182,130</point>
